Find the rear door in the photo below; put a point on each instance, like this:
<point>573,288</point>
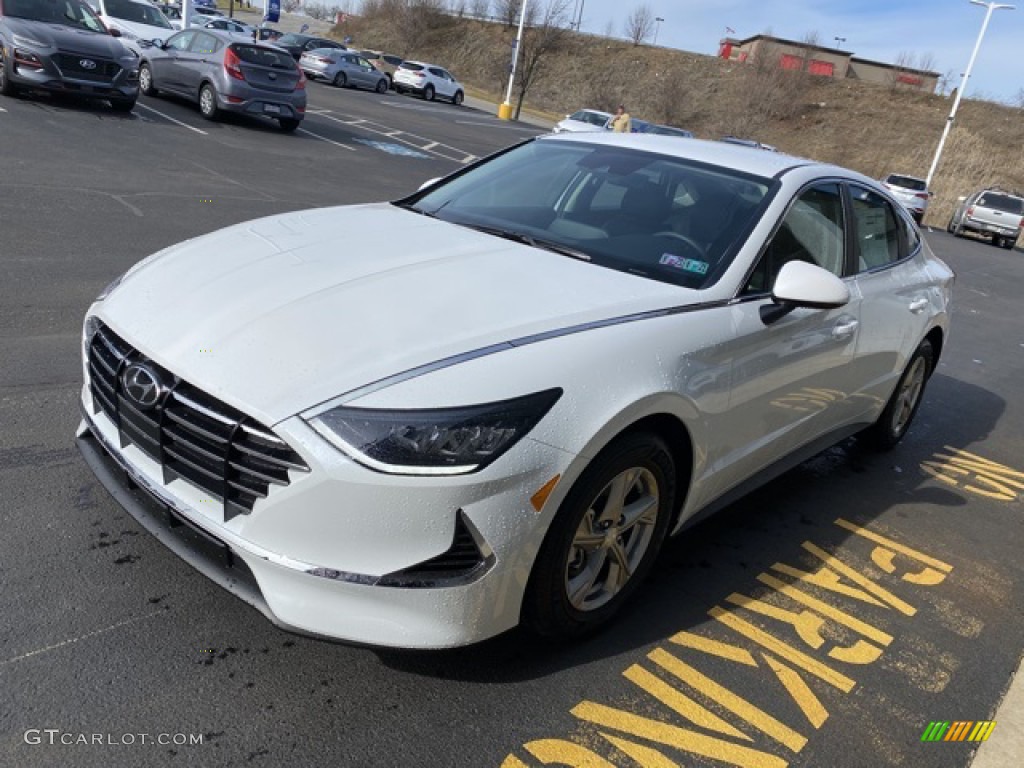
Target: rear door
<point>894,293</point>
<point>203,56</point>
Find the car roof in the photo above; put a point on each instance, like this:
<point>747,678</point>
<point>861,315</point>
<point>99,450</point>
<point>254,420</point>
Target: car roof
<point>734,156</point>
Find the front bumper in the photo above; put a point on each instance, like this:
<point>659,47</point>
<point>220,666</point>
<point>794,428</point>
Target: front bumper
<point>49,77</point>
<point>267,558</point>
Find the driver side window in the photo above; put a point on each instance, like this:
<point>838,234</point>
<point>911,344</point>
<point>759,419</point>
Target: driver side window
<point>812,231</point>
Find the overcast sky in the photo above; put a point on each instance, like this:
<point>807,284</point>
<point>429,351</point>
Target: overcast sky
<point>945,30</point>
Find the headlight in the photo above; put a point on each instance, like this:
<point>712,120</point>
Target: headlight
<point>21,40</point>
<point>440,441</point>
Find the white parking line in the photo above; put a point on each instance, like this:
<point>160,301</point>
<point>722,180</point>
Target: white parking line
<point>329,141</point>
<point>2,109</point>
<point>168,117</point>
<point>502,124</point>
<point>444,151</point>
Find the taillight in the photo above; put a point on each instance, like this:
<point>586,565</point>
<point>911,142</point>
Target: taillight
<point>922,195</point>
<point>970,211</point>
<point>302,81</point>
<point>233,64</point>
<point>324,60</point>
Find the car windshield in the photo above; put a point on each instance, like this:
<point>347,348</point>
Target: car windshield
<point>907,182</point>
<point>68,12</point>
<point>656,216</point>
<point>1005,203</point>
<point>593,118</point>
<point>292,40</point>
<point>140,13</point>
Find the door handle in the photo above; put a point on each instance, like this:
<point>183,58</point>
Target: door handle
<point>844,329</point>
<point>917,306</point>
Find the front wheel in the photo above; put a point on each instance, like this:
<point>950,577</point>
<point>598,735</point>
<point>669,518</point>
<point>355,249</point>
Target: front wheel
<point>458,98</point>
<point>428,93</point>
<point>340,81</point>
<point>208,102</point>
<point>382,85</point>
<point>892,425</point>
<point>288,124</point>
<point>7,88</point>
<point>146,81</point>
<point>603,539</point>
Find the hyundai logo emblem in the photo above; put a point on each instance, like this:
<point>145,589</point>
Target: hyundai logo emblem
<point>87,64</point>
<point>141,385</point>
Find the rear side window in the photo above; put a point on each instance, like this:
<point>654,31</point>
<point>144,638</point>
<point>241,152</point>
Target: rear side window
<point>267,57</point>
<point>411,66</point>
<point>205,43</point>
<point>1005,203</point>
<point>877,229</point>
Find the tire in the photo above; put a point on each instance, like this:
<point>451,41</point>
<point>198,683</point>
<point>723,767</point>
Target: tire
<point>340,81</point>
<point>146,81</point>
<point>1009,243</point>
<point>122,105</point>
<point>7,88</point>
<point>949,227</point>
<point>577,584</point>
<point>899,412</point>
<point>458,98</point>
<point>382,85</point>
<point>208,102</point>
<point>996,240</point>
<point>428,93</point>
<point>288,124</point>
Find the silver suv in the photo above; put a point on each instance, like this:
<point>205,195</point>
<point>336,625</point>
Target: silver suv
<point>911,191</point>
<point>993,213</point>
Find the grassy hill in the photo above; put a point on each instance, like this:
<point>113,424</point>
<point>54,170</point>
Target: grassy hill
<point>875,129</point>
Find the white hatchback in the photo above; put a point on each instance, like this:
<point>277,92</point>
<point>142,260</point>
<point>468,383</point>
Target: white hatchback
<point>428,81</point>
<point>584,120</point>
<point>138,21</point>
<point>422,423</point>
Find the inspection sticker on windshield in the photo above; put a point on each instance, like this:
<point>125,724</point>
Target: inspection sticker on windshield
<point>690,265</point>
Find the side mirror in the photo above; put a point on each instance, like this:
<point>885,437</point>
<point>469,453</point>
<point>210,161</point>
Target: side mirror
<point>158,43</point>
<point>115,32</point>
<point>800,284</point>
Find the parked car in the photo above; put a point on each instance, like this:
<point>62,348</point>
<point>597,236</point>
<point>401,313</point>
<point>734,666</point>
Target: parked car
<point>297,44</point>
<point>64,48</point>
<point>642,126</point>
<point>993,213</point>
<point>225,74</point>
<point>428,81</point>
<point>584,120</point>
<point>385,62</point>
<point>138,21</point>
<point>911,191</point>
<point>497,400</point>
<point>267,34</point>
<point>236,28</point>
<point>748,143</point>
<point>342,68</point>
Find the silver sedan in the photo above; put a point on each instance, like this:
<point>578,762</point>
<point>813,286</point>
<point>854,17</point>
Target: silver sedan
<point>342,69</point>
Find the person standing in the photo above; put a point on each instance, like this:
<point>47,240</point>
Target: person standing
<point>621,123</point>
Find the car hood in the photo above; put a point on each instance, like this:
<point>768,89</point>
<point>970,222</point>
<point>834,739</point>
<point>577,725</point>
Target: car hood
<point>75,39</point>
<point>141,31</point>
<point>278,315</point>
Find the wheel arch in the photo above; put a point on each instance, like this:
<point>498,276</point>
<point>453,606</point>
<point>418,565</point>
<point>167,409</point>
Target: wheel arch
<point>936,337</point>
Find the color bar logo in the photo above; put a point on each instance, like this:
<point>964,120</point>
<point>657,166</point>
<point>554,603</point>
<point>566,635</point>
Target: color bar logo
<point>958,730</point>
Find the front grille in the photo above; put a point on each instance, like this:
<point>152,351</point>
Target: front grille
<point>192,435</point>
<point>71,65</point>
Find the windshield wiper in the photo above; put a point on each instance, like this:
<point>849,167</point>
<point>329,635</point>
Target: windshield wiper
<point>525,239</point>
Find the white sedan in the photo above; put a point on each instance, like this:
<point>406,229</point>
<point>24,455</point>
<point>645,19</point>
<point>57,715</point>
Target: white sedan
<point>422,423</point>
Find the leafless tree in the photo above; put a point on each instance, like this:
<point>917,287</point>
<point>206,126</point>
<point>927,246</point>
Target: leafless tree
<point>546,34</point>
<point>507,11</point>
<point>639,24</point>
<point>480,9</point>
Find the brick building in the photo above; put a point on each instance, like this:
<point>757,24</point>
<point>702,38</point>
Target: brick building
<point>827,62</point>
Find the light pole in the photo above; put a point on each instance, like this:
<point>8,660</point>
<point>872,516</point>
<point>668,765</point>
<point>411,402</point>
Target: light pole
<point>839,41</point>
<point>989,7</point>
<point>505,109</point>
<point>657,26</point>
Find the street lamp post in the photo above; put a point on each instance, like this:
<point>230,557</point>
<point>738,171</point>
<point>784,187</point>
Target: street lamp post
<point>505,109</point>
<point>839,41</point>
<point>989,8</point>
<point>657,26</point>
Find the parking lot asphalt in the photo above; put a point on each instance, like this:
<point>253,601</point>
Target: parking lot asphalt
<point>826,620</point>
